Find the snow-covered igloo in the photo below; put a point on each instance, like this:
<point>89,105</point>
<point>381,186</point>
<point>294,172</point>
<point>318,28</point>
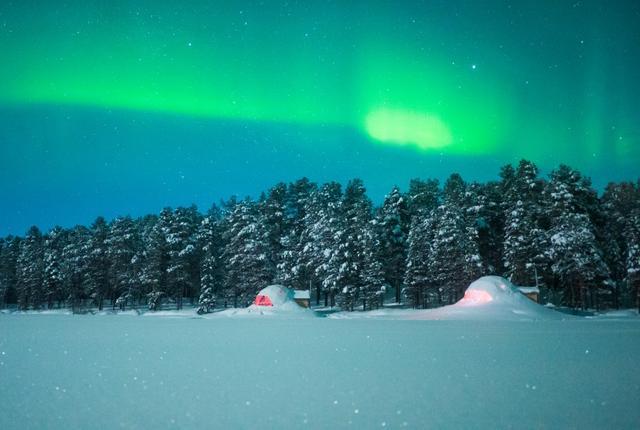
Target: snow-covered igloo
<point>275,295</point>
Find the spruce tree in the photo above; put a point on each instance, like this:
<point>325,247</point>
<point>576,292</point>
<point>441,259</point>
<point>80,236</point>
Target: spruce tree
<point>30,270</point>
<point>54,244</point>
<point>98,263</point>
<point>524,238</point>
<point>211,264</point>
<point>247,265</point>
<point>75,255</point>
<point>392,227</point>
<point>121,244</point>
<point>419,286</point>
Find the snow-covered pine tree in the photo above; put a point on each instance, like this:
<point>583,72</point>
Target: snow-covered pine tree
<point>75,255</point>
<point>292,270</point>
<point>576,259</point>
<point>486,207</point>
<point>423,196</point>
<point>392,226</point>
<point>183,255</point>
<point>121,248</point>
<point>619,203</point>
<point>417,280</point>
<point>54,243</point>
<point>97,279</point>
<point>247,265</point>
<point>348,261</point>
<point>455,258</point>
<point>31,270</point>
<point>4,284</point>
<point>274,223</point>
<point>372,274</point>
<point>8,270</point>
<point>574,250</point>
<point>318,241</point>
<point>211,265</point>
<point>633,256</point>
<point>524,238</point>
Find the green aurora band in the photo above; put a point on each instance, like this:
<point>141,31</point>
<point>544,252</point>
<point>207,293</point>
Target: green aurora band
<point>475,84</point>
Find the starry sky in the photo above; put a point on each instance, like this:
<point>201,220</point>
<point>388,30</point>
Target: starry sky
<point>124,107</point>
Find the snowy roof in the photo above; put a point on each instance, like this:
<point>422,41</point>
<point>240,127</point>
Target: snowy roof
<point>529,290</point>
<point>301,294</point>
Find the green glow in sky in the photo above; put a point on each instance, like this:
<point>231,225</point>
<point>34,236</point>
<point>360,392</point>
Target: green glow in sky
<point>459,78</point>
<point>406,127</point>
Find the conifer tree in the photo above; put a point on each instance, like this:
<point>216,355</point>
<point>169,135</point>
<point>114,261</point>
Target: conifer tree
<point>211,265</point>
<point>31,270</point>
<point>121,249</point>
<point>54,244</point>
<point>247,266</point>
<point>392,227</point>
<point>419,285</point>
<point>98,263</point>
<point>524,239</point>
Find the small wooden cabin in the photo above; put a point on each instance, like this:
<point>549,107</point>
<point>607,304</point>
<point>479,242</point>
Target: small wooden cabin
<point>533,293</point>
<point>302,298</point>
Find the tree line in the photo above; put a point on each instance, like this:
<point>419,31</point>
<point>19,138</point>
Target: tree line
<point>421,247</point>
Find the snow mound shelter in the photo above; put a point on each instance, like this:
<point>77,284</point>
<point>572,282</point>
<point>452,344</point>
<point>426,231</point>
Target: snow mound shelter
<point>274,295</point>
<point>490,289</point>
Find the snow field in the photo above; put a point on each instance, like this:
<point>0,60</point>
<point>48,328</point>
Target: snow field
<point>73,371</point>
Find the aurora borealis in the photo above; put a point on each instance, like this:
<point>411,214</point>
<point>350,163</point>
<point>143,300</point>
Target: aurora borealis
<point>114,107</point>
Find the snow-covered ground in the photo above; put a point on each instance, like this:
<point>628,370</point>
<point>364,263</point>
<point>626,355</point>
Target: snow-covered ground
<point>84,371</point>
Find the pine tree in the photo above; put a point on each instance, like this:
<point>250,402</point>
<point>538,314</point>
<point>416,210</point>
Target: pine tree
<point>619,204</point>
<point>9,254</point>
<point>75,256</point>
<point>419,285</point>
<point>97,279</point>
<point>121,245</point>
<point>423,196</point>
<point>183,255</point>
<point>348,260</point>
<point>211,265</point>
<point>54,244</point>
<point>392,227</point>
<point>576,257</point>
<point>372,273</point>
<point>293,269</point>
<point>455,257</point>
<point>247,265</point>
<point>524,239</point>
<point>30,270</point>
<point>156,261</point>
<point>318,241</point>
<point>633,256</point>
<point>274,223</point>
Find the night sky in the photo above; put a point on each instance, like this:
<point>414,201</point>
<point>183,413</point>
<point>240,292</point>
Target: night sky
<point>124,107</point>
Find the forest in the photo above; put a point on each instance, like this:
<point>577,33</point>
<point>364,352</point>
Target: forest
<point>420,247</point>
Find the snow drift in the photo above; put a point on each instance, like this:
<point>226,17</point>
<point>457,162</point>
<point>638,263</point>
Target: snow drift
<point>494,298</point>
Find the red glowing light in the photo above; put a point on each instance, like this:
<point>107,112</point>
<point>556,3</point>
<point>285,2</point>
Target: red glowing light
<point>263,301</point>
<point>478,296</point>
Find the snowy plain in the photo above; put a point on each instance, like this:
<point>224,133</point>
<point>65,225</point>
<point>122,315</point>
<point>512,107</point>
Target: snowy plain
<point>449,368</point>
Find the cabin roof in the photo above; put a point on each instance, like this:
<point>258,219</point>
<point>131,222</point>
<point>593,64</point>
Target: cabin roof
<point>301,294</point>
